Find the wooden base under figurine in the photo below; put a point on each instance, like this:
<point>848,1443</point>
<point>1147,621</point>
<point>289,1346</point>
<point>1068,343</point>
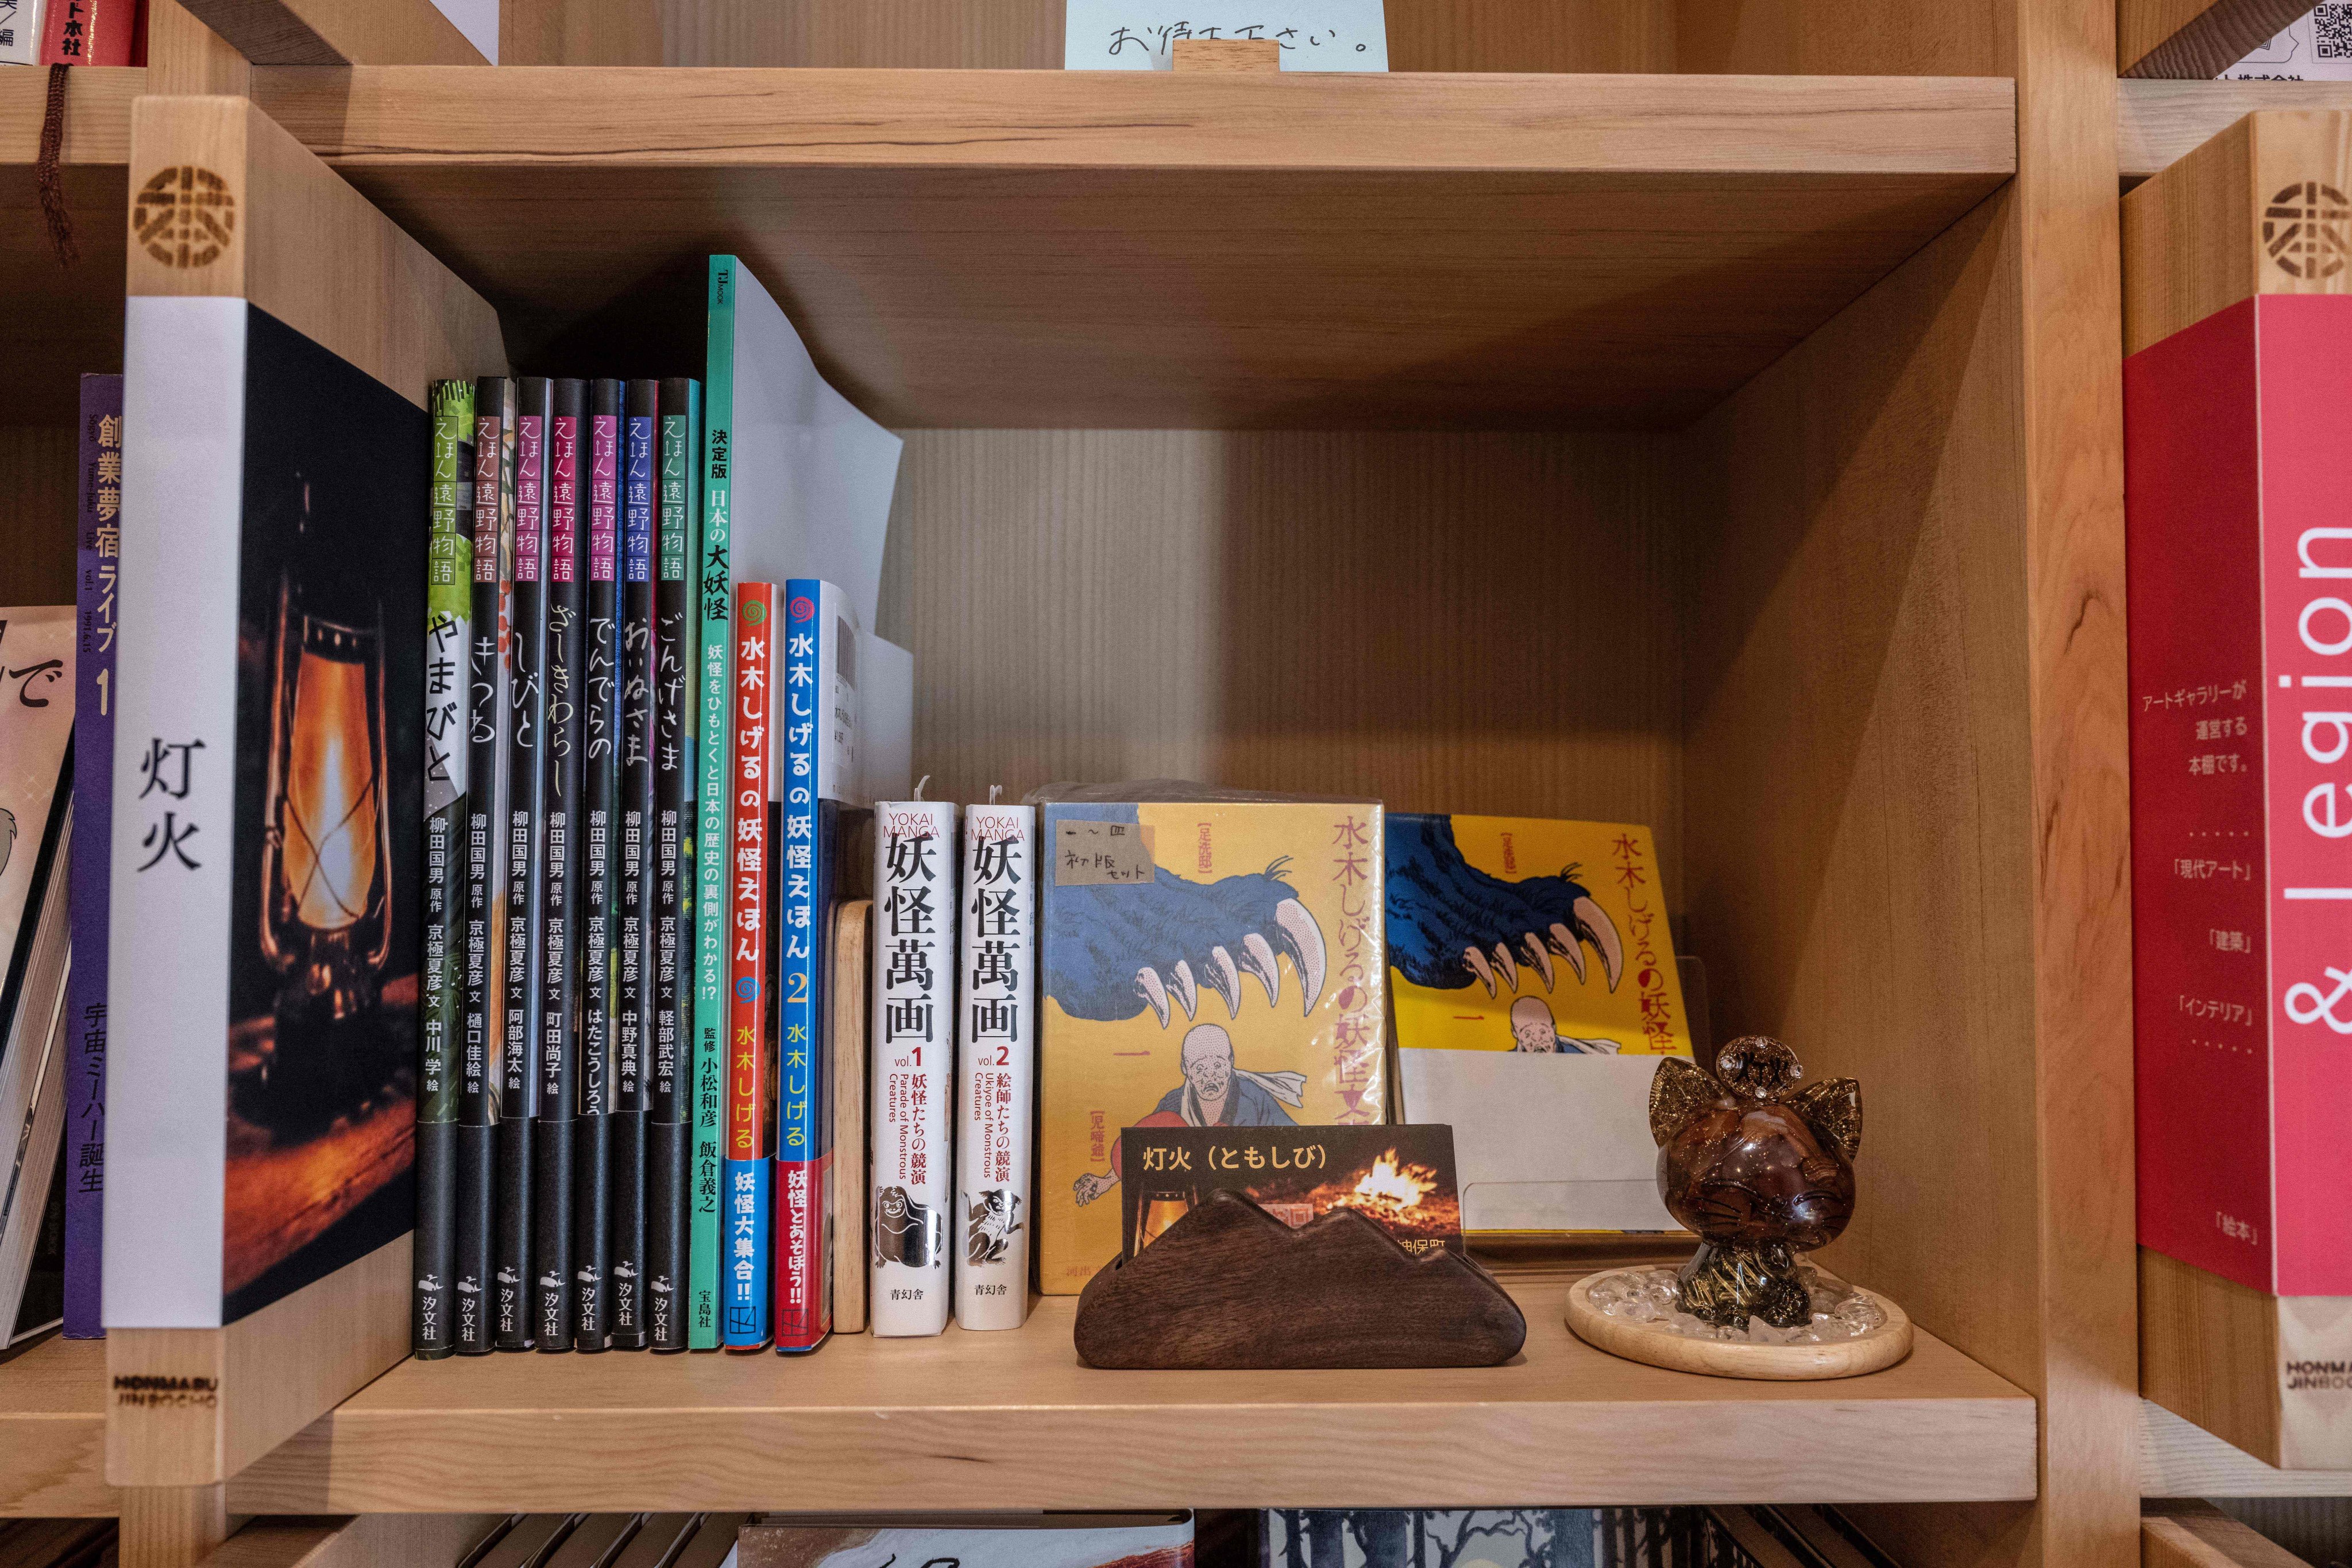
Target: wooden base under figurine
<point>1635,1313</point>
<point>1230,1285</point>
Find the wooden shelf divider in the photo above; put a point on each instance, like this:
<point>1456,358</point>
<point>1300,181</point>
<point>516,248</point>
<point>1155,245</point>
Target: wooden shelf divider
<point>2195,39</point>
<point>53,1432</point>
<point>2157,123</point>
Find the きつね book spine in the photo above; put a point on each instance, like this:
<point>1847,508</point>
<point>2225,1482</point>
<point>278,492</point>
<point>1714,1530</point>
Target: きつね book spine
<point>98,540</point>
<point>557,1059</point>
<point>448,587</point>
<point>634,957</point>
<point>996,1070</point>
<point>815,739</point>
<point>677,626</point>
<point>600,790</point>
<point>714,587</point>
<point>524,826</point>
<point>490,717</point>
<point>751,933</point>
<point>911,1106</point>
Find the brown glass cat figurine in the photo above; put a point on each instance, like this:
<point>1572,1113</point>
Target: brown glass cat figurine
<point>1755,1169</point>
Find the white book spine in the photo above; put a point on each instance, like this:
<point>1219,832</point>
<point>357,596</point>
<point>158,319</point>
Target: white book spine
<point>174,811</point>
<point>913,1072</point>
<point>20,39</point>
<point>996,1070</point>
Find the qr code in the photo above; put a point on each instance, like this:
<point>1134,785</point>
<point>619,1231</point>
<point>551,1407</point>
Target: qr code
<point>2331,29</point>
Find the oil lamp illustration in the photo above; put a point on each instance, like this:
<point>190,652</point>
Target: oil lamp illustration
<point>326,851</point>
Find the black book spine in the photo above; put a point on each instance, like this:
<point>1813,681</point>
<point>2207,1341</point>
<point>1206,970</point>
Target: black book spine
<point>525,826</point>
<point>600,788</point>
<point>489,706</point>
<point>676,633</point>
<point>449,588</point>
<point>634,938</point>
<point>559,880</point>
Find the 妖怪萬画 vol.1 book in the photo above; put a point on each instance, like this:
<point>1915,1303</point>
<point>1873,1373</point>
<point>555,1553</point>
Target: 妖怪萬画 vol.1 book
<point>1206,963</point>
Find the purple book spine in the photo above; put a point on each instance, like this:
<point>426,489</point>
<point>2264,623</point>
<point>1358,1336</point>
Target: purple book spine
<point>97,536</point>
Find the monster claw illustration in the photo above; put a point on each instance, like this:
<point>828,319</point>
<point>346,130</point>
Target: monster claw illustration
<point>1226,980</point>
<point>1446,917</point>
<point>1147,985</point>
<point>1304,940</point>
<point>1537,954</point>
<point>1186,993</point>
<point>1257,957</point>
<point>1593,924</point>
<point>1120,948</point>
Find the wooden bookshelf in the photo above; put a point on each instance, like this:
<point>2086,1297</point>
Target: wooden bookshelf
<point>61,319</point>
<point>1150,250</point>
<point>1012,1420</point>
<point>53,1431</point>
<point>2157,123</point>
<point>2194,39</point>
<point>2178,1458</point>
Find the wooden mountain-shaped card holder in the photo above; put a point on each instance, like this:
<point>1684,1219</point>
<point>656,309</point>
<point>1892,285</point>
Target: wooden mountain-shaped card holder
<point>1231,1286</point>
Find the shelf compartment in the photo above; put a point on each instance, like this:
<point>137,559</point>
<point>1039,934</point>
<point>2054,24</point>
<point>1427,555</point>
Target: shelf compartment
<point>63,321</point>
<point>1012,1420</point>
<point>53,1431</point>
<point>1139,250</point>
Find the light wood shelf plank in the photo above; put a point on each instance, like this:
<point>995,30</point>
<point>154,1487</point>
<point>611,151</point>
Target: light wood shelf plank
<point>1012,1420</point>
<point>53,1431</point>
<point>1077,249</point>
<point>98,114</point>
<point>2178,1458</point>
<point>338,32</point>
<point>2157,123</point>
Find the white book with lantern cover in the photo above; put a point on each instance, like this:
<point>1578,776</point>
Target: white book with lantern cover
<point>266,855</point>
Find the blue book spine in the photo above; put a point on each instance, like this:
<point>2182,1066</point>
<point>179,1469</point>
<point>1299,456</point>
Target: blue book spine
<point>98,540</point>
<point>804,1255</point>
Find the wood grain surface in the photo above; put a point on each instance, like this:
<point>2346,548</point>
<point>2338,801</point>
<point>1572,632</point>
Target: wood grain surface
<point>2195,39</point>
<point>1880,1348</point>
<point>2157,123</point>
<point>53,1431</point>
<point>338,32</point>
<point>2178,1458</point>
<point>1229,1286</point>
<point>1158,250</point>
<point>1482,623</point>
<point>2199,1536</point>
<point>2197,238</point>
<point>846,1037</point>
<point>271,1374</point>
<point>1011,1420</point>
<point>1423,35</point>
<point>369,1541</point>
<point>306,248</point>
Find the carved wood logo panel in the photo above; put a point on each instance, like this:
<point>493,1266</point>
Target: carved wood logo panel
<point>2307,229</point>
<point>184,216</point>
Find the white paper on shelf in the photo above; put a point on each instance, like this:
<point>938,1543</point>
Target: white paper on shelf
<point>1543,1141</point>
<point>813,475</point>
<point>1315,34</point>
<point>2315,47</point>
<point>885,719</point>
<point>478,19</point>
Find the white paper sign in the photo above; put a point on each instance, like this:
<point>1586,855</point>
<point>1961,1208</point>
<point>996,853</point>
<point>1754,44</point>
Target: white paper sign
<point>1315,34</point>
<point>2315,47</point>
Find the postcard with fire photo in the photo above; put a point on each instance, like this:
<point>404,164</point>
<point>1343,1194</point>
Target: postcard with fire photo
<point>1400,1176</point>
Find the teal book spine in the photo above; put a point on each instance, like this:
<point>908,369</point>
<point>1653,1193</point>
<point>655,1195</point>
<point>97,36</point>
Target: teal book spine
<point>715,587</point>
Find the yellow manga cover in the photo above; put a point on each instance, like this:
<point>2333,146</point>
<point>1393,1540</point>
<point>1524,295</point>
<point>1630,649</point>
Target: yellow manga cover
<point>1518,934</point>
<point>1212,963</point>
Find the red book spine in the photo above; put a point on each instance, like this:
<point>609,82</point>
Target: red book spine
<point>89,33</point>
<point>745,1267</point>
<point>2240,580</point>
